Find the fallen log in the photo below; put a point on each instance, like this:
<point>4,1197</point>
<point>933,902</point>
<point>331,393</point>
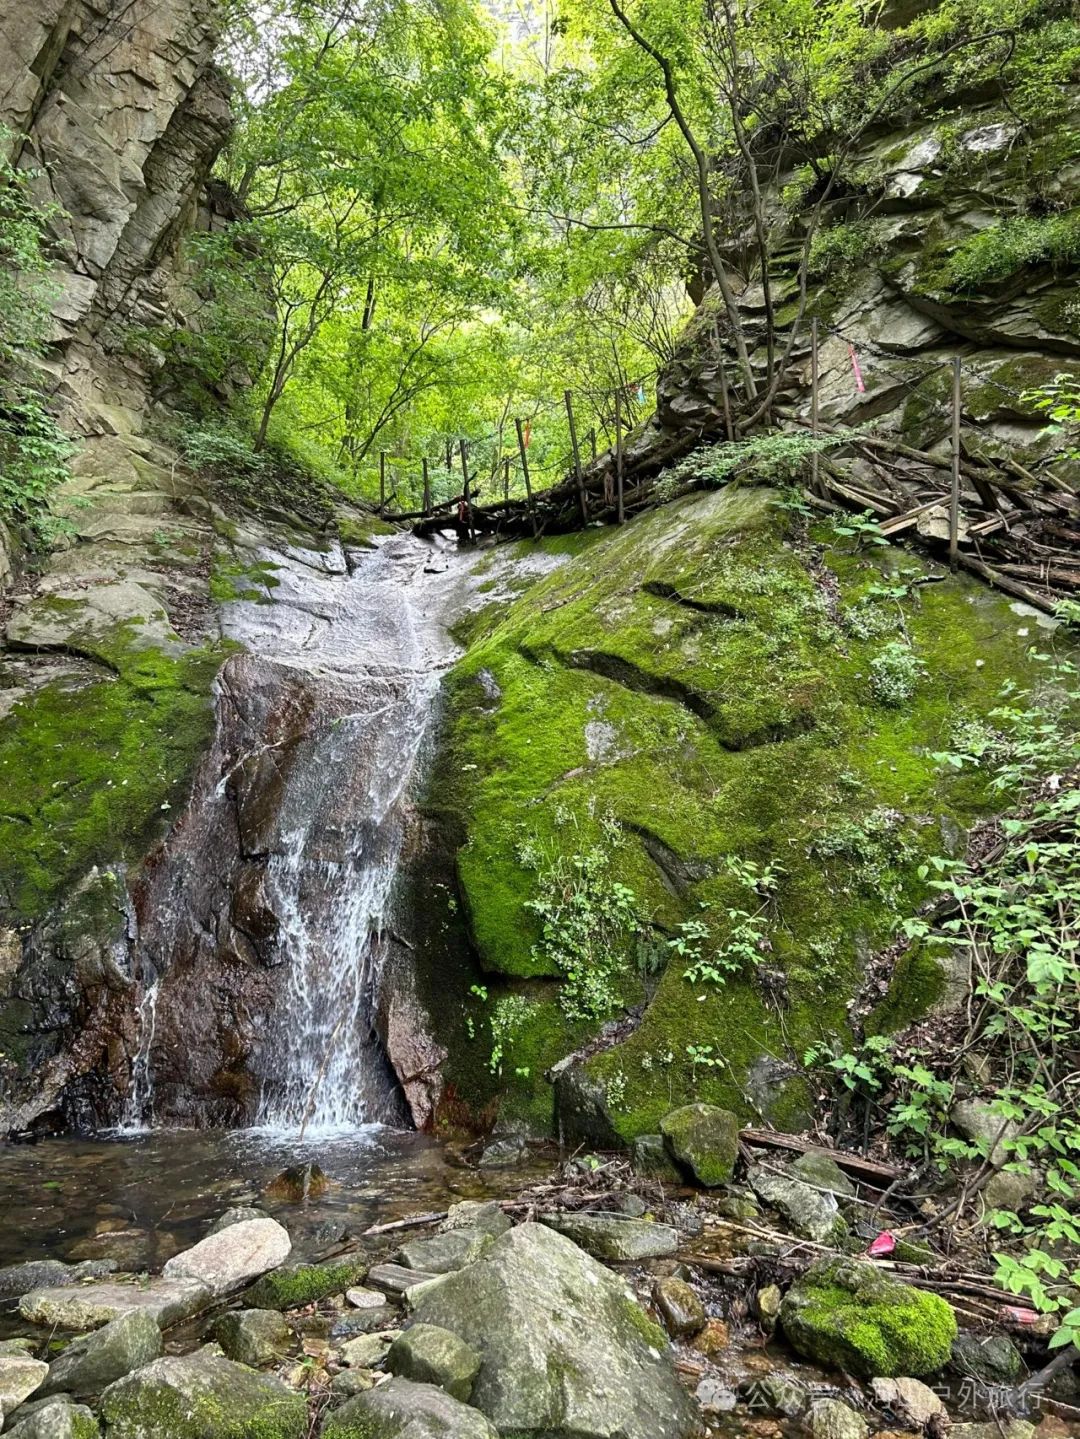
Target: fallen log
<point>871,1171</point>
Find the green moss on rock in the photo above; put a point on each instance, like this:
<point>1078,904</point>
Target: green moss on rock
<point>202,1396</point>
<point>849,1315</point>
<point>684,692</point>
<point>91,772</point>
<point>705,1140</point>
<point>297,1284</point>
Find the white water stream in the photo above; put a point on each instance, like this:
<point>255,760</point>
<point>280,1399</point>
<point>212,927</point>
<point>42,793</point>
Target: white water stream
<point>319,735</point>
<point>374,646</point>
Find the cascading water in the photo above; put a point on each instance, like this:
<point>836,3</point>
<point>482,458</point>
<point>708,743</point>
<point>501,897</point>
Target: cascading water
<point>302,802</point>
<point>329,876</point>
<point>323,1065</point>
<point>139,1111</point>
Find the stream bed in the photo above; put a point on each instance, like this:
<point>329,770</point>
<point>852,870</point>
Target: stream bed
<point>138,1200</point>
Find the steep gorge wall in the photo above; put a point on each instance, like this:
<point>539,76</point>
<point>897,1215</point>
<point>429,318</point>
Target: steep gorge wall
<point>119,107</point>
<point>111,643</point>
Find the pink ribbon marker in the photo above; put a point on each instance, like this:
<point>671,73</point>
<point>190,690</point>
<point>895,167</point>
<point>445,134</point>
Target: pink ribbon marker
<point>855,367</point>
<point>884,1244</point>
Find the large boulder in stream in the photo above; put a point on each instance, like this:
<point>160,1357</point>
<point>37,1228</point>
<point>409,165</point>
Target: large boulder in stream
<point>233,1256</point>
<point>564,1347</point>
<point>848,1315</point>
<point>202,1396</point>
<point>18,1279</point>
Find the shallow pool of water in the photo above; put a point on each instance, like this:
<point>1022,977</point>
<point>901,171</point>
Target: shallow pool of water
<point>139,1199</point>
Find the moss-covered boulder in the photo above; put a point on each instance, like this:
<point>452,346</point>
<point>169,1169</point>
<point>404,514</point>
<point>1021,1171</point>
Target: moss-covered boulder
<point>90,1364</point>
<point>691,774</point>
<point>430,1355</point>
<point>849,1315</point>
<point>295,1284</point>
<point>253,1336</point>
<point>704,1140</point>
<point>202,1396</point>
<point>564,1347</point>
<point>55,1419</point>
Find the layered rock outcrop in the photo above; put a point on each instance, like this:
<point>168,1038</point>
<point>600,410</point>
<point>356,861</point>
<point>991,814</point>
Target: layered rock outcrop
<point>119,108</point>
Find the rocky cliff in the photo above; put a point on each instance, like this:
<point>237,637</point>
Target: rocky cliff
<point>118,107</point>
<point>111,649</point>
<point>952,229</point>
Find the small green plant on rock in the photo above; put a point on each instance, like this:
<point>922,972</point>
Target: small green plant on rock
<point>586,918</point>
<point>747,938</point>
<point>864,529</point>
<point>509,1016</point>
<point>895,673</point>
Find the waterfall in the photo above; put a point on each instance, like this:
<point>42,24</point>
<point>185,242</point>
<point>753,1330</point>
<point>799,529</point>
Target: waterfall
<point>372,660</point>
<point>323,1067</point>
<point>266,914</point>
<point>139,1109</point>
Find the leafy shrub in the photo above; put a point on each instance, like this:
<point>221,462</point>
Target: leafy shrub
<point>585,917</point>
<point>33,461</point>
<point>842,248</point>
<point>1001,250</point>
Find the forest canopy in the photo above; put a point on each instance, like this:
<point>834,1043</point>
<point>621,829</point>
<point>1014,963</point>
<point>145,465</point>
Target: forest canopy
<point>445,216</point>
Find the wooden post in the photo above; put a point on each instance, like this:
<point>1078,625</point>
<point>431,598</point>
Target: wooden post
<point>506,479</point>
<point>954,492</point>
<point>449,456</point>
<point>468,497</point>
<point>382,481</point>
<point>592,441</point>
<point>577,456</point>
<point>525,471</point>
<point>619,458</point>
<point>725,398</point>
<point>427,487</point>
<point>815,479</point>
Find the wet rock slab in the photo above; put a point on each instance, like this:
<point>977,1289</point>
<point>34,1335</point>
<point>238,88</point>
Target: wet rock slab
<point>18,1279</point>
<point>88,1306</point>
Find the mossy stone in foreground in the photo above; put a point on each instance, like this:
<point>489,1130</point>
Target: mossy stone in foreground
<point>431,1355</point>
<point>202,1396</point>
<point>404,1410</point>
<point>56,1419</point>
<point>851,1316</point>
<point>704,1140</point>
<point>296,1284</point>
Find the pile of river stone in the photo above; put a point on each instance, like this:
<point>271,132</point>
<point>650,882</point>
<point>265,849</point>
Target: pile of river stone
<point>478,1330</point>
